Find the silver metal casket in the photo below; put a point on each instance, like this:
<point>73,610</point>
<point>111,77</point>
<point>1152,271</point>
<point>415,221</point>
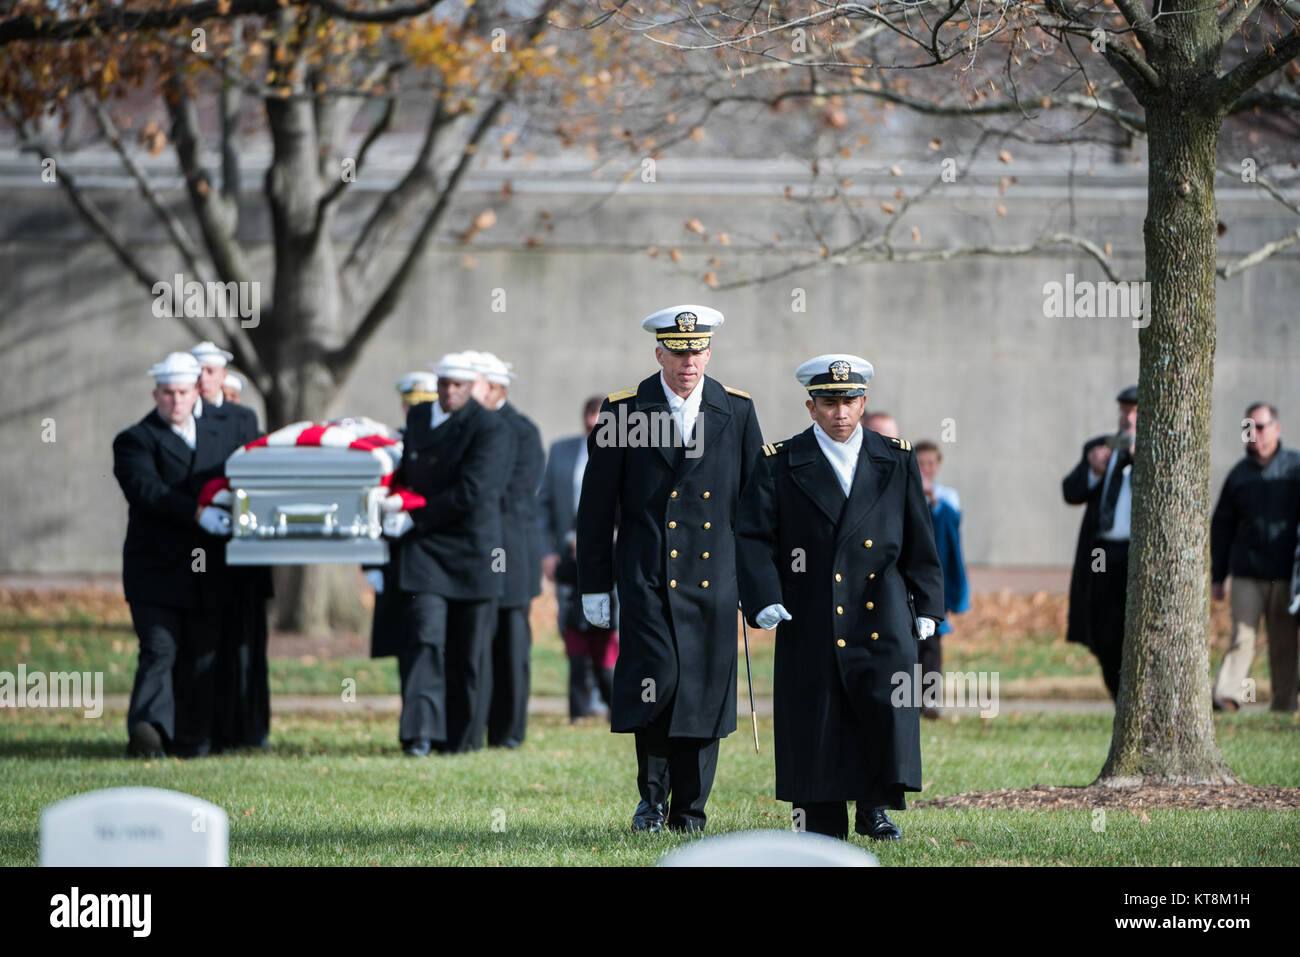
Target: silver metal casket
<point>305,505</point>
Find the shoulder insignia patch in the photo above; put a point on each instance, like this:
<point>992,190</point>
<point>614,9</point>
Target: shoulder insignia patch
<point>773,448</point>
<point>620,395</point>
<point>743,395</point>
<point>902,444</point>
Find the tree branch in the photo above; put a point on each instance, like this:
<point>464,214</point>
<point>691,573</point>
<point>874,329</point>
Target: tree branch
<point>119,19</point>
<point>1228,88</point>
<point>1259,255</point>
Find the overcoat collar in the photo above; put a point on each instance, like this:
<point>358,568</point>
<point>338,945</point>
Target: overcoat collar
<point>172,443</point>
<point>650,398</point>
<point>815,477</point>
<point>877,466</point>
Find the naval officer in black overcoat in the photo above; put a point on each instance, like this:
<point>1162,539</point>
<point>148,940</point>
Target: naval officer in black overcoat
<point>667,461</point>
<point>458,455</point>
<point>836,549</point>
<point>170,562</point>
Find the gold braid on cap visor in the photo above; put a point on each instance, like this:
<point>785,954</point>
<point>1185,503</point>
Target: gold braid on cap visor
<point>675,340</point>
<point>416,396</point>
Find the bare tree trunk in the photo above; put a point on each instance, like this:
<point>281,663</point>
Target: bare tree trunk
<point>313,599</point>
<point>1164,729</point>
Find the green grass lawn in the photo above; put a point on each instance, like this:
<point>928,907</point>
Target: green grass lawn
<point>334,790</point>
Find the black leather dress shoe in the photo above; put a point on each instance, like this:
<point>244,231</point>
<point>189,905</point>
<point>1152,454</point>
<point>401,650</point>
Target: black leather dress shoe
<point>145,742</point>
<point>649,817</point>
<point>419,748</point>
<point>877,826</point>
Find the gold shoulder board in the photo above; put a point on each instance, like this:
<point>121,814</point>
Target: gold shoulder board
<point>620,395</point>
<point>743,395</point>
<point>902,444</point>
<point>773,448</point>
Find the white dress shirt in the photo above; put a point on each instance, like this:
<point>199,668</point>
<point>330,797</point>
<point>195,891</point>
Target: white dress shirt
<point>843,456</point>
<point>684,410</point>
<point>187,432</point>
<point>579,468</point>
<point>439,416</point>
<point>198,406</point>
<point>1119,532</point>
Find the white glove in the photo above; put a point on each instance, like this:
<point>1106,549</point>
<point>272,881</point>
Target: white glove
<point>595,608</point>
<point>391,504</point>
<point>214,521</point>
<point>771,616</point>
<point>376,578</point>
<point>398,524</point>
<point>924,628</point>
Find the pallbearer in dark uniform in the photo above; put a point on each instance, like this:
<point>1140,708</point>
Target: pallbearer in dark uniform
<point>836,550</point>
<point>387,629</point>
<point>667,461</point>
<point>458,455</point>
<point>512,643</point>
<point>162,463</point>
<point>242,704</point>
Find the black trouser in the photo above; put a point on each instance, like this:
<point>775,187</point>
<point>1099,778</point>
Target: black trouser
<point>582,672</point>
<point>682,766</point>
<point>1108,595</point>
<point>174,678</point>
<point>832,817</point>
<point>445,668</point>
<point>511,647</point>
<point>242,711</point>
<point>930,654</point>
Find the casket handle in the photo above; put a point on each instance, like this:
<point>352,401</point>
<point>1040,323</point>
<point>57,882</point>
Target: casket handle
<point>308,519</point>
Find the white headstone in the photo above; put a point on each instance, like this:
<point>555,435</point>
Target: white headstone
<point>134,827</point>
<point>769,849</point>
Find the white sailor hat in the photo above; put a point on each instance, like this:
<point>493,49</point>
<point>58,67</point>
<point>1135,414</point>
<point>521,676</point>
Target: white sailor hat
<point>209,354</point>
<point>177,367</point>
<point>683,328</point>
<point>234,380</point>
<point>457,365</point>
<point>836,373</point>
<point>492,368</point>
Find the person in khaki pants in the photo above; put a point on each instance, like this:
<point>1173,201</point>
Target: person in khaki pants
<point>1253,538</point>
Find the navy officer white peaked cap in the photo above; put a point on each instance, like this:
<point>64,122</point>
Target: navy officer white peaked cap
<point>683,328</point>
<point>836,373</point>
<point>177,367</point>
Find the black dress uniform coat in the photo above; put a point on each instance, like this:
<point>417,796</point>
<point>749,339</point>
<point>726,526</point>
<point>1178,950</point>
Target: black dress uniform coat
<point>1074,488</point>
<point>161,478</point>
<point>523,574</point>
<point>461,469</point>
<point>853,573</point>
<point>674,562</point>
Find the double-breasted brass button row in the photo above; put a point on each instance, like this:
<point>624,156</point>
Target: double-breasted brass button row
<point>673,493</point>
<point>704,584</point>
<point>673,553</point>
<point>839,609</point>
<point>870,605</point>
<point>838,577</point>
<point>704,554</point>
<point>704,495</point>
<point>874,636</point>
<point>840,642</point>
<point>867,543</point>
<point>672,524</point>
<point>872,575</point>
<point>673,583</point>
<point>708,525</point>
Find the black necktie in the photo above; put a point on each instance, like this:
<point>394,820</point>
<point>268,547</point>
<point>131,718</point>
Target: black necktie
<point>1111,495</point>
